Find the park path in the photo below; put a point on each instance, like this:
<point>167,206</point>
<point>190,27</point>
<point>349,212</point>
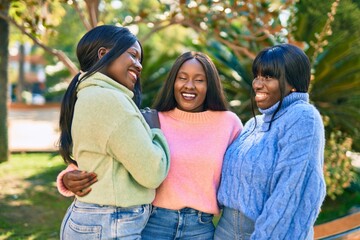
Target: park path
<point>33,128</point>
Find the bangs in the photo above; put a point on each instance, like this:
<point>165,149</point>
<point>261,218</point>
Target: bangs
<point>267,64</point>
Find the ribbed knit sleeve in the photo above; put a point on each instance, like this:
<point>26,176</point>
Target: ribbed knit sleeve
<point>60,184</point>
<point>297,186</point>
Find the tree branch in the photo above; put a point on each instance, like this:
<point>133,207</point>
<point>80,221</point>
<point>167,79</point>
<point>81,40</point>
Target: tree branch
<point>236,48</point>
<point>156,29</point>
<point>59,54</point>
<point>93,10</point>
<point>81,15</point>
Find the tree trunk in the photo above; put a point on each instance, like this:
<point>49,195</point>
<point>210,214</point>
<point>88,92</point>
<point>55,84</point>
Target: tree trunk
<point>4,56</point>
<point>21,81</point>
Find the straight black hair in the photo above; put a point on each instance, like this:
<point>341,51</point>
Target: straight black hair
<point>215,98</point>
<point>117,40</point>
<point>286,63</point>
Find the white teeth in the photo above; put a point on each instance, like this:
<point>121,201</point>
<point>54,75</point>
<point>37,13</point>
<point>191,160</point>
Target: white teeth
<point>133,74</point>
<point>188,95</point>
<point>260,96</point>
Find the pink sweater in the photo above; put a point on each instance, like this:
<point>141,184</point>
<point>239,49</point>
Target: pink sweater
<point>197,142</point>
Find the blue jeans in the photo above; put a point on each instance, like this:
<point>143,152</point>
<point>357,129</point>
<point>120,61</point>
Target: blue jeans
<point>92,221</point>
<point>186,223</point>
<point>233,225</point>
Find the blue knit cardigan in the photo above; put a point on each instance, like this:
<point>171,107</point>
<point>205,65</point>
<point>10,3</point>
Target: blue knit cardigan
<point>273,173</point>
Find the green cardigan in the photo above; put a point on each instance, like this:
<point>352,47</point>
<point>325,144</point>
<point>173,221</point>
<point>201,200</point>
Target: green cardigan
<point>112,139</point>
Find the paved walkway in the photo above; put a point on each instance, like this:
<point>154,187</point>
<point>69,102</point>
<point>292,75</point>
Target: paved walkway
<point>33,129</point>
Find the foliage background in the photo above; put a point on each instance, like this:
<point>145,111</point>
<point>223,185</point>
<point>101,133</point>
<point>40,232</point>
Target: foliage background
<point>231,32</point>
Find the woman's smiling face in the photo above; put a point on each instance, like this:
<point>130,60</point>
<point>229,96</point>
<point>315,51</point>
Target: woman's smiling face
<point>190,86</point>
<point>126,69</point>
<point>267,91</point>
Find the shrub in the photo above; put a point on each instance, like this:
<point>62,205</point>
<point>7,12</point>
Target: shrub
<point>338,170</point>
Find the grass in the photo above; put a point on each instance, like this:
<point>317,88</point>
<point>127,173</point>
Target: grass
<point>31,207</point>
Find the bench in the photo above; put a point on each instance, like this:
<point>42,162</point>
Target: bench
<point>345,228</point>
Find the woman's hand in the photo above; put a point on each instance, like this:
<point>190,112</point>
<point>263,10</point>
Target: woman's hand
<point>79,182</point>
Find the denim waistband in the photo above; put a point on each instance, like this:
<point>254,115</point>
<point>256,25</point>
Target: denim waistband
<point>108,208</point>
<point>231,213</point>
<point>182,210</point>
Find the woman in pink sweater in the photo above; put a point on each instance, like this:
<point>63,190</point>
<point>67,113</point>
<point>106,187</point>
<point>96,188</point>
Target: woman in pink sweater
<point>198,127</point>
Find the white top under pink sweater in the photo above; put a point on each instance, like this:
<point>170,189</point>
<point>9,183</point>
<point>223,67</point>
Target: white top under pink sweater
<point>197,142</point>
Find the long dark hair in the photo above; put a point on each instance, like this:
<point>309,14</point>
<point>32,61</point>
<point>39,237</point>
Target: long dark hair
<point>286,63</point>
<point>215,98</point>
<point>117,40</point>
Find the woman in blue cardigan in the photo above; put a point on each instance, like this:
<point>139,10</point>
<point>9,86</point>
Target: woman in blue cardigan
<point>272,184</point>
